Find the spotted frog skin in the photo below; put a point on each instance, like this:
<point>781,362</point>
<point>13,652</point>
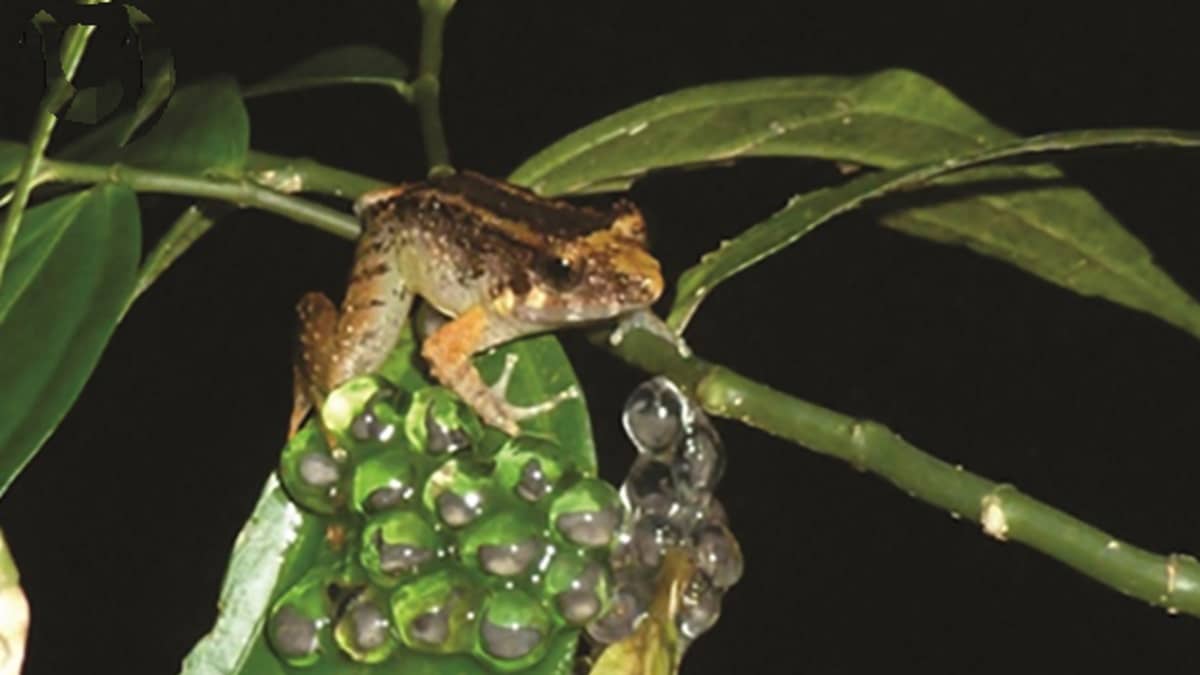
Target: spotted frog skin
<point>499,260</point>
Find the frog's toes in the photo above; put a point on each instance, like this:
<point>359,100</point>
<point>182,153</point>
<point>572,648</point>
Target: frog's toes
<point>516,413</point>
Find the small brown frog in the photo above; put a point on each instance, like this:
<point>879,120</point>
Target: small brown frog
<point>500,260</point>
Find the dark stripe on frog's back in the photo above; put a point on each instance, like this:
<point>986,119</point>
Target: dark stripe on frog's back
<point>554,217</point>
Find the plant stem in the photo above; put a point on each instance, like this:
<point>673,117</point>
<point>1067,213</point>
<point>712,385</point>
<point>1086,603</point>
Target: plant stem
<point>1171,581</point>
<point>297,174</point>
<point>243,192</point>
<point>426,89</point>
<point>187,228</point>
<point>59,92</point>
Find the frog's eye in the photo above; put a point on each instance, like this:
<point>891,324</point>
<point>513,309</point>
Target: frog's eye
<point>558,271</point>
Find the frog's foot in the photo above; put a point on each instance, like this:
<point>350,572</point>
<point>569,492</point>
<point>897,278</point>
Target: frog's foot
<point>449,352</point>
<point>648,321</point>
<point>516,413</point>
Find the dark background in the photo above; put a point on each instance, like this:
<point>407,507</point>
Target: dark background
<point>122,525</point>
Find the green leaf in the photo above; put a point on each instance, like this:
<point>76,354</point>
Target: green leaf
<point>72,272</point>
<point>542,370</point>
<point>889,119</point>
<point>274,547</point>
<point>158,82</point>
<point>204,130</point>
<point>92,104</point>
<point>351,64</point>
<point>807,211</point>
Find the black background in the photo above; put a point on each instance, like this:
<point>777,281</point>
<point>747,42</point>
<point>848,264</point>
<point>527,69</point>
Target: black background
<point>123,523</point>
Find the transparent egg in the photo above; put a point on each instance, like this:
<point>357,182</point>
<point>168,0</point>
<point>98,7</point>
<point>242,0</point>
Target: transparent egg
<point>437,612</point>
<point>699,463</point>
<point>514,628</point>
<point>397,544</point>
<point>653,416</point>
<point>699,607</point>
<point>649,488</point>
<point>718,555</point>
<point>363,633</point>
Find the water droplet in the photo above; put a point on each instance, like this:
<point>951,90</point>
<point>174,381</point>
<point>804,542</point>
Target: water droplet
<point>318,469</point>
<point>506,560</point>
<point>293,634</point>
<point>718,555</point>
<point>777,127</point>
<point>588,528</point>
<point>653,416</point>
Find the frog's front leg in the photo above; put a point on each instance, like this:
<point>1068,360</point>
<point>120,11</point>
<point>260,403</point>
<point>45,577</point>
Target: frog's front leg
<point>336,346</point>
<point>449,350</point>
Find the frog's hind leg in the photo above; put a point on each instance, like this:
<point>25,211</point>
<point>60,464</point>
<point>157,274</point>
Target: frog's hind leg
<point>449,352</point>
<point>311,368</point>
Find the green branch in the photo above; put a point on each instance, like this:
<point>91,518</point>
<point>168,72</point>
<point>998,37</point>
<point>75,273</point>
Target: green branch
<point>292,175</point>
<point>1171,581</point>
<point>243,193</point>
<point>426,89</point>
<point>58,93</point>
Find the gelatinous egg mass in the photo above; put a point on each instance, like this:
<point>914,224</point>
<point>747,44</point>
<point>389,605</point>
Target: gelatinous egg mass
<point>452,548</point>
<point>448,535</point>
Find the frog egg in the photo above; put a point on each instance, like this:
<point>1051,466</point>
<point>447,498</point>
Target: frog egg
<point>296,625</point>
<point>383,482</point>
<point>579,586</point>
<point>628,605</point>
<point>526,467</point>
<point>651,537</point>
<point>440,424</point>
<point>504,545</point>
<point>587,513</point>
<point>344,404</point>
<point>363,633</point>
<point>437,612</point>
<point>514,630</point>
<point>718,555</point>
<point>654,417</point>
<point>459,492</point>
<point>649,488</point>
<point>397,544</point>
<point>311,476</point>
<point>698,464</point>
<point>293,635</point>
<point>699,607</point>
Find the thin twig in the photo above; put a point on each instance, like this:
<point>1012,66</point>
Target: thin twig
<point>426,89</point>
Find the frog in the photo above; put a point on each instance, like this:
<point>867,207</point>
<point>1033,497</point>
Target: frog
<point>500,261</point>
